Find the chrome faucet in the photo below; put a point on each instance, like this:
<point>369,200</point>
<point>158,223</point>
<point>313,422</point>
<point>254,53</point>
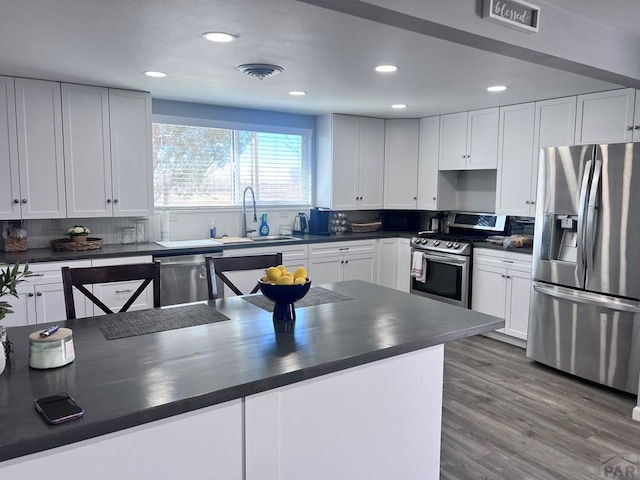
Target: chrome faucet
<point>245,232</point>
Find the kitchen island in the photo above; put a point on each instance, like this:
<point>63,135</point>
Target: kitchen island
<point>355,392</point>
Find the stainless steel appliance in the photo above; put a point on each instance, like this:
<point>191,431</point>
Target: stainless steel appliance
<point>184,278</point>
<point>445,258</point>
<point>585,308</point>
<point>300,223</point>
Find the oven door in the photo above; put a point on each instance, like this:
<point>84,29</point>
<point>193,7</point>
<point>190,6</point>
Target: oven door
<point>447,278</point>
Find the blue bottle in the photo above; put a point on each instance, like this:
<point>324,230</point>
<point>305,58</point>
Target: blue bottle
<point>264,227</point>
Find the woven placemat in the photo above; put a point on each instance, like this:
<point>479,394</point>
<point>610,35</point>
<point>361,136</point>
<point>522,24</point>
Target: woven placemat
<point>131,324</point>
<point>316,296</point>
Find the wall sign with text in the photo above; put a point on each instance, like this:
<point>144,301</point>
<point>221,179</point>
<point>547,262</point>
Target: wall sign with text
<point>516,14</point>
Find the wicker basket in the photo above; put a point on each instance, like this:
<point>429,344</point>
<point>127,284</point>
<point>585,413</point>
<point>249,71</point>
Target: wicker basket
<point>365,227</point>
<point>15,244</point>
<point>68,245</point>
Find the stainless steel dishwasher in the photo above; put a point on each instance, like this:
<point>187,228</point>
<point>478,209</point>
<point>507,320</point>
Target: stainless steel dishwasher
<point>184,278</point>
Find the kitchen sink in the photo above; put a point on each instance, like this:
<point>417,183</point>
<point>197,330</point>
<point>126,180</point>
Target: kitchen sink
<point>273,238</point>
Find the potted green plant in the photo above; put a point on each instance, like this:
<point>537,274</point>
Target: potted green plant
<point>78,233</point>
<point>10,277</point>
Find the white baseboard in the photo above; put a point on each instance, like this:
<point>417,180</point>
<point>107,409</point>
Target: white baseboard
<point>507,339</point>
<point>636,414</point>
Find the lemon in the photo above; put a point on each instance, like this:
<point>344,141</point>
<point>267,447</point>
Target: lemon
<point>265,279</point>
<point>285,280</point>
<point>300,272</point>
<point>288,274</point>
<point>274,273</point>
<point>282,268</point>
<point>300,281</point>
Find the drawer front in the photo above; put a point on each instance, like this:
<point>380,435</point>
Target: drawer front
<point>105,262</point>
<point>115,295</point>
<point>332,249</point>
<point>290,253</point>
<point>51,272</point>
<point>495,258</point>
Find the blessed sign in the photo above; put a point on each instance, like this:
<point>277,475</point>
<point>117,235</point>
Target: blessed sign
<point>516,14</point>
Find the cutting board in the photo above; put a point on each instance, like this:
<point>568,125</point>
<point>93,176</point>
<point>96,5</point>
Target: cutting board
<point>233,240</point>
<point>207,242</point>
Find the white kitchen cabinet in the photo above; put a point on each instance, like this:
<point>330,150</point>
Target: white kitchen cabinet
<point>404,264</point>
<point>9,177</point>
<point>40,150</point>
<point>636,119</point>
<point>605,117</point>
<point>436,191</point>
<point>388,262</point>
<point>501,287</point>
<point>515,161</point>
<point>131,153</point>
<point>338,261</point>
<point>469,140</point>
<point>349,162</point>
<point>402,138</point>
<point>115,294</point>
<point>87,151</point>
<point>21,308</point>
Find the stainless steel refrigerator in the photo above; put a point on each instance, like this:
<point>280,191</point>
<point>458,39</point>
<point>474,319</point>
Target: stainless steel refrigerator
<point>585,305</point>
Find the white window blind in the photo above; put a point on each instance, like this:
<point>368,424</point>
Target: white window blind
<point>197,166</point>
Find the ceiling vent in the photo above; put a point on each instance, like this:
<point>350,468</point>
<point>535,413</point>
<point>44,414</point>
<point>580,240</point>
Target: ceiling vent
<point>260,70</point>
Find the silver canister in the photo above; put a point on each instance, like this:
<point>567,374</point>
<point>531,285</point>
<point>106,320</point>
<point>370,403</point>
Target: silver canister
<point>53,351</point>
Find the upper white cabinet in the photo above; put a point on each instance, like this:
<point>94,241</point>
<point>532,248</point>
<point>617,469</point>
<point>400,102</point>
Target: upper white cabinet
<point>605,117</point>
<point>131,153</point>
<point>349,163</point>
<point>515,161</point>
<point>87,150</point>
<point>401,164</point>
<point>469,140</point>
<point>435,190</point>
<point>40,151</point>
<point>9,177</point>
<point>108,158</point>
<point>636,119</point>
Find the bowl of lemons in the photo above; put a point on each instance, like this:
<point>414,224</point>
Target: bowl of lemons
<point>284,288</point>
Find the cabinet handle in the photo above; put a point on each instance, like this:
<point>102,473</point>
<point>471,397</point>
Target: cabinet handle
<point>434,198</point>
<point>15,200</point>
<point>415,198</point>
<point>108,200</point>
<point>508,276</point>
<point>35,275</point>
<point>527,202</point>
<point>346,261</point>
<point>123,291</point>
<point>39,294</point>
<point>341,261</point>
<point>637,127</point>
<point>506,261</point>
<point>30,295</point>
<point>503,275</point>
<point>532,202</point>
<point>343,248</point>
<point>115,200</point>
<point>24,200</point>
<point>629,127</point>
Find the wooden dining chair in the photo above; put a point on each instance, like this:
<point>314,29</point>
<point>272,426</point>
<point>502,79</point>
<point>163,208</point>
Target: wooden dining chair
<point>217,266</point>
<point>79,277</point>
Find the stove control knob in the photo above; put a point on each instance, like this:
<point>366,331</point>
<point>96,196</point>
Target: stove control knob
<point>423,241</point>
<point>456,245</point>
<point>414,239</point>
<point>449,244</point>
<point>436,243</point>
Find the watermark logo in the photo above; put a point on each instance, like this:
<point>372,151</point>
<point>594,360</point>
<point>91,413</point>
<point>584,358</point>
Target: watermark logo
<point>619,466</point>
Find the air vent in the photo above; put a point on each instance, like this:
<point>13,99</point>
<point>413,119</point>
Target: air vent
<point>260,70</point>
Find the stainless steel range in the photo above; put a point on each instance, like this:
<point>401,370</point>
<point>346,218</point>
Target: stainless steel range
<point>441,262</point>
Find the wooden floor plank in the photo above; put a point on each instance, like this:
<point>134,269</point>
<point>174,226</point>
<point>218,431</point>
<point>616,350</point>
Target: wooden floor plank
<point>506,417</point>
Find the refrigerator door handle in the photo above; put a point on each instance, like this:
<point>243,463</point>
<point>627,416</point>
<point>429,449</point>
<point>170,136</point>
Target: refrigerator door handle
<point>591,215</point>
<point>579,296</point>
<point>584,189</point>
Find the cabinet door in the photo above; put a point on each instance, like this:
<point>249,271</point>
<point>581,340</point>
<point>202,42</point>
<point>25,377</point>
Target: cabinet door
<point>482,139</point>
<point>518,298</point>
<point>515,160</point>
<point>404,265</point>
<point>371,163</point>
<point>388,263</point>
<point>50,307</point>
<point>636,121</point>
<point>40,152</point>
<point>489,290</point>
<point>401,163</point>
<point>115,295</point>
<point>453,141</point>
<point>326,270</point>
<point>87,151</point>
<point>361,267</point>
<point>9,177</point>
<point>346,147</point>
<point>23,308</point>
<point>428,163</point>
<point>131,153</point>
<point>605,117</point>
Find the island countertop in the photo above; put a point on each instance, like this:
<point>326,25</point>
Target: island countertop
<point>132,381</point>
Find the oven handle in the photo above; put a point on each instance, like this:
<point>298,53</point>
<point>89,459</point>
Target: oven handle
<point>444,260</point>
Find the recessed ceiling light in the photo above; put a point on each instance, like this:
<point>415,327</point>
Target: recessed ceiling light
<point>386,68</point>
<point>399,105</point>
<point>297,93</point>
<point>497,88</point>
<point>155,74</point>
<point>219,37</point>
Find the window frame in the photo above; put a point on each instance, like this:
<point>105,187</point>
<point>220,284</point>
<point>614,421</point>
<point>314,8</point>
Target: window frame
<point>253,127</point>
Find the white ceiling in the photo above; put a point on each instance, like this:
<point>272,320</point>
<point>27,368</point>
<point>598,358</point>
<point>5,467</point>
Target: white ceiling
<point>622,15</point>
<point>328,54</point>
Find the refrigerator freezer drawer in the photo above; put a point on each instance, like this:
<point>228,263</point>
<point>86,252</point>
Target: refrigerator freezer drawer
<point>592,336</point>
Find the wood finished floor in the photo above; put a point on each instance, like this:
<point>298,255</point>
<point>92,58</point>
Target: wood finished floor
<point>505,417</point>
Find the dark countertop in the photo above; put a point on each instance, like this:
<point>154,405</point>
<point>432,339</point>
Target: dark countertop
<point>118,250</point>
<point>132,381</point>
<point>492,246</point>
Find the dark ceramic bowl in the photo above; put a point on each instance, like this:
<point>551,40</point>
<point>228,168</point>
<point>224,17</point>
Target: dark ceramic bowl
<point>284,315</point>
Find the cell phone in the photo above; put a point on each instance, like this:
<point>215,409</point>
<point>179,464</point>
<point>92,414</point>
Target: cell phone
<point>58,408</point>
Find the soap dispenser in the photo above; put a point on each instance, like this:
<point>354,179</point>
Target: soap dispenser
<point>264,226</point>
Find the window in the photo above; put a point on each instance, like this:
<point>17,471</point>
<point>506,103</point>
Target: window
<point>199,166</point>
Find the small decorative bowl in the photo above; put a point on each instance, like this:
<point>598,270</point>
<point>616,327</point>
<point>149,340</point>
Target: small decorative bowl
<point>284,314</point>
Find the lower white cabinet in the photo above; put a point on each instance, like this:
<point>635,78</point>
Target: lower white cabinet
<point>114,295</point>
<point>338,261</point>
<point>394,263</point>
<point>502,287</point>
